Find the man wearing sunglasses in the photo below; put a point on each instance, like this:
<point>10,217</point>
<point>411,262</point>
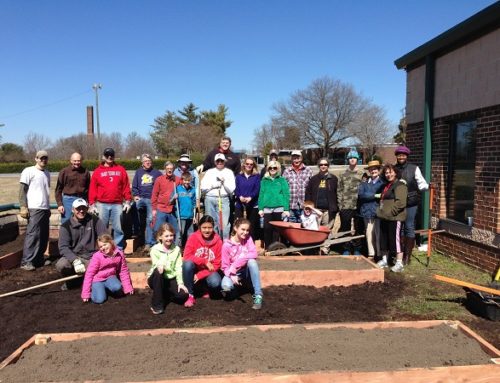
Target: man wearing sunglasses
<point>109,194</point>
<point>34,202</point>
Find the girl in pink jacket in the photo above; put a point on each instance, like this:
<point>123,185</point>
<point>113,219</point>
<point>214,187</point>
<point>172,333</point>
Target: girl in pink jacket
<point>239,262</point>
<point>103,271</point>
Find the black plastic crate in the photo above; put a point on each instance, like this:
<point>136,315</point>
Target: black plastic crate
<point>487,306</point>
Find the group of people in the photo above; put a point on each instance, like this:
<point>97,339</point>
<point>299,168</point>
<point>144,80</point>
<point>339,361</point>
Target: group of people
<point>189,256</point>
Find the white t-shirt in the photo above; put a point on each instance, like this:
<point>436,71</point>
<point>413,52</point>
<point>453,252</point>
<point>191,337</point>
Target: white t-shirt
<point>309,221</point>
<point>38,182</point>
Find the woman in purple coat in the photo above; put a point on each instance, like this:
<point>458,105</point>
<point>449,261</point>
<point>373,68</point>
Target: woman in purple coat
<point>246,195</point>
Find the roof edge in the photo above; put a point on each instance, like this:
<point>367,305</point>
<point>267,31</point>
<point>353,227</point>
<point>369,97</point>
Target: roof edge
<point>477,23</point>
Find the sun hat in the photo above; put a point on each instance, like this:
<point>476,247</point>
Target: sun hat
<point>220,156</point>
<point>79,202</point>
<point>184,158</point>
<point>402,149</point>
<point>373,164</point>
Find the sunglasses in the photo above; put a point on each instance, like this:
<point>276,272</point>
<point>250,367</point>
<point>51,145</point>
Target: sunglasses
<point>273,168</point>
<point>248,164</point>
<point>44,158</point>
<point>323,164</point>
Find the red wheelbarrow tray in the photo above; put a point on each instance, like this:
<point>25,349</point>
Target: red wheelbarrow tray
<point>298,236</point>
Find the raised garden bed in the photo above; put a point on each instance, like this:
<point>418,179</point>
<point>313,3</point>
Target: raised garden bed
<point>390,351</point>
<point>315,271</point>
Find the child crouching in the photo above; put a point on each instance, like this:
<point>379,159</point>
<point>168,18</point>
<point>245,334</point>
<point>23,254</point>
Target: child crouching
<point>104,267</point>
<point>239,262</point>
<point>165,275</point>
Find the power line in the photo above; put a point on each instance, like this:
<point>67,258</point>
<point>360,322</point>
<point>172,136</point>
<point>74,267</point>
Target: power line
<point>44,105</point>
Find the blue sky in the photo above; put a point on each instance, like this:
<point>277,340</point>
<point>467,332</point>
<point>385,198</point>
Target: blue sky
<point>153,56</point>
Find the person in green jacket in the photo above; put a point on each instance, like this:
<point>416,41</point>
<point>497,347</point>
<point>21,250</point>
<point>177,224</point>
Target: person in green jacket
<point>165,275</point>
<point>274,200</point>
<point>392,214</point>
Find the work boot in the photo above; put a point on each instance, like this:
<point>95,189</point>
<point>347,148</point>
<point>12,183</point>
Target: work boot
<point>409,244</point>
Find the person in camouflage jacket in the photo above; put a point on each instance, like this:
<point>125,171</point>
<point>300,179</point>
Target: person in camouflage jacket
<point>347,192</point>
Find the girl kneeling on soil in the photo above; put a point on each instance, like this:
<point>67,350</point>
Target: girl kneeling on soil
<point>239,262</point>
<point>165,275</point>
<point>102,273</point>
<point>202,258</point>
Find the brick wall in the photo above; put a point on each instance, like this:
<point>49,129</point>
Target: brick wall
<point>480,245</point>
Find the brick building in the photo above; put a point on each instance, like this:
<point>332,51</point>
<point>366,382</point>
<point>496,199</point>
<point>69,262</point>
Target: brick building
<point>453,117</point>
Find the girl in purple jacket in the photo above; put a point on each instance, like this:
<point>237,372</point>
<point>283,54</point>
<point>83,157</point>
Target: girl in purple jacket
<point>239,262</point>
<point>103,271</point>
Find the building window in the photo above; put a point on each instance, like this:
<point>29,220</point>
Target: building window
<point>462,161</point>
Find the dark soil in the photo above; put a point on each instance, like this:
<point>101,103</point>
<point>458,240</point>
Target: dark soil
<point>12,246</point>
<point>278,350</point>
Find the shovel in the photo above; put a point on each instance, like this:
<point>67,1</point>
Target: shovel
<point>42,285</point>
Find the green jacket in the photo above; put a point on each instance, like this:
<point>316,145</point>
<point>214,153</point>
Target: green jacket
<point>347,190</point>
<point>393,202</point>
<point>170,259</point>
<point>274,192</point>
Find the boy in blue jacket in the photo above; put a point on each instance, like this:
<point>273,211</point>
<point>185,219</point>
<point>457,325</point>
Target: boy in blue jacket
<point>186,195</point>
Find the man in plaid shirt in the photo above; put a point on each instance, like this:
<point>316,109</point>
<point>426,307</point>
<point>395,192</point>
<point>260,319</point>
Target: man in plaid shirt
<point>298,176</point>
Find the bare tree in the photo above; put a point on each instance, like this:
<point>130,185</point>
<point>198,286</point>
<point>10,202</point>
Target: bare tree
<point>135,145</point>
<point>113,140</point>
<point>371,129</point>
<point>322,112</point>
<point>276,135</point>
<point>33,142</point>
<point>194,138</point>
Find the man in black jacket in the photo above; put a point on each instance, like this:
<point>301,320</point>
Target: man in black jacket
<point>78,239</point>
<point>233,161</point>
<point>322,190</point>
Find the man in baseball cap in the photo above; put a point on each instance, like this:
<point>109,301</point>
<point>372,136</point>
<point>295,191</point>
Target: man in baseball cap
<point>298,176</point>
<point>78,239</point>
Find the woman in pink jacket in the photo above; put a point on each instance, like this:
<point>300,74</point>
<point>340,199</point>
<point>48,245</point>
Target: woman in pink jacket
<point>239,262</point>
<point>103,271</point>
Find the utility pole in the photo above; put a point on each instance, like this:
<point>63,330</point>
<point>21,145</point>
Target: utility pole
<point>96,88</point>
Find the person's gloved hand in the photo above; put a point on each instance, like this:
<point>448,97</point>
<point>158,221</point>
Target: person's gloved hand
<point>126,207</point>
<point>93,210</point>
<point>24,212</point>
<point>199,169</point>
<point>377,195</point>
<point>78,266</point>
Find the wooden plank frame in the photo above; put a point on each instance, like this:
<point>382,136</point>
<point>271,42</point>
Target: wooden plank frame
<point>471,374</point>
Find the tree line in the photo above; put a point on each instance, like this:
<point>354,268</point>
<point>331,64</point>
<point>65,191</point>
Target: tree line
<point>327,114</point>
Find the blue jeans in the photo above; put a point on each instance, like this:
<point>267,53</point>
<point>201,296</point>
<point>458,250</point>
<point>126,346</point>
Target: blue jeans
<point>250,271</point>
<point>212,209</point>
<point>186,230</point>
<point>99,295</point>
<point>188,271</point>
<point>113,212</point>
<point>295,215</point>
<point>409,226</point>
<point>170,218</point>
<point>145,203</point>
<point>67,201</point>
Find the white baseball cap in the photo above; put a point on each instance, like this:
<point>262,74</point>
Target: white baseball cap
<point>296,153</point>
<point>79,202</point>
<point>220,156</point>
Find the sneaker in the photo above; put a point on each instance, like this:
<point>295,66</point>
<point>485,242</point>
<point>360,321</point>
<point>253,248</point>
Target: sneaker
<point>398,267</point>
<point>347,252</point>
<point>206,295</point>
<point>190,301</point>
<point>146,249</point>
<point>382,264</point>
<point>47,262</point>
<point>225,293</point>
<point>324,251</point>
<point>257,302</point>
<point>28,267</point>
<point>156,311</point>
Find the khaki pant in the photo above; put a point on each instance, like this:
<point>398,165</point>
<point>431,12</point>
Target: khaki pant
<point>372,226</point>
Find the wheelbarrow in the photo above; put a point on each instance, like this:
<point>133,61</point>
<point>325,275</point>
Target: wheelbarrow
<point>301,239</point>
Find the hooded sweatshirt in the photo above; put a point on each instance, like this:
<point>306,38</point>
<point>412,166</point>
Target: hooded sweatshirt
<point>236,255</point>
<point>109,184</point>
<point>170,259</point>
<point>200,251</point>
